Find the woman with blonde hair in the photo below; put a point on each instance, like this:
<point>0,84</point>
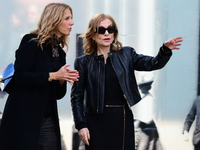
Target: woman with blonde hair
<point>107,88</point>
<point>30,118</point>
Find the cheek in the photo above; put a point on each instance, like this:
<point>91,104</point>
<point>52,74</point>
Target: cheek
<point>96,38</point>
<point>63,25</point>
<point>112,37</point>
<point>59,27</point>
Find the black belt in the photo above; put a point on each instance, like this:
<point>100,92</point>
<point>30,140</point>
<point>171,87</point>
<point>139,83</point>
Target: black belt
<point>114,105</point>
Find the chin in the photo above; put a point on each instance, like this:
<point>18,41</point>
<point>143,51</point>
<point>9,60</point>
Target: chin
<point>66,33</point>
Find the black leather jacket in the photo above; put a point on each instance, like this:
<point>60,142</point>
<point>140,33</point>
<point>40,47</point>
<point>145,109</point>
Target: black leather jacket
<point>87,94</point>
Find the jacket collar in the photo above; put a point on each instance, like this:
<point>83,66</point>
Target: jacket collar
<point>98,57</point>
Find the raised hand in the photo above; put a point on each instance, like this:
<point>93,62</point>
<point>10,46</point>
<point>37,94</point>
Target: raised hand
<point>173,43</point>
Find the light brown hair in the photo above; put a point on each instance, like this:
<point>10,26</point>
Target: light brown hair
<point>51,17</point>
<point>89,45</point>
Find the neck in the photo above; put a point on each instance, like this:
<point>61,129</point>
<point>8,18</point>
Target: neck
<point>104,52</point>
<point>58,34</point>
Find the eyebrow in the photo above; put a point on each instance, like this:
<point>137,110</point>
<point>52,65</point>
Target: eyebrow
<point>108,26</point>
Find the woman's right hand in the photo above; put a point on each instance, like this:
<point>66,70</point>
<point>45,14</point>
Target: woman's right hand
<point>65,74</point>
<point>84,135</point>
<point>174,43</point>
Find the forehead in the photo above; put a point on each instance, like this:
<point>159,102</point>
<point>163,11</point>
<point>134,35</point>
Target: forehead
<point>67,12</point>
<point>105,23</point>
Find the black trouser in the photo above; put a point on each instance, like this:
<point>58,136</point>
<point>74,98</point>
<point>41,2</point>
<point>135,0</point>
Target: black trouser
<point>197,146</point>
<point>48,139</point>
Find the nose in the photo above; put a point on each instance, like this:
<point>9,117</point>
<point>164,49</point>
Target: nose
<point>71,22</point>
<point>106,32</point>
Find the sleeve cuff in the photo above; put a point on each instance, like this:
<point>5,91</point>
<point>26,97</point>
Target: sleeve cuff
<point>81,125</point>
<point>165,51</point>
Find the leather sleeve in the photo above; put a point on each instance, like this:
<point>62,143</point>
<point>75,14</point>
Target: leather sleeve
<point>77,93</point>
<point>148,63</point>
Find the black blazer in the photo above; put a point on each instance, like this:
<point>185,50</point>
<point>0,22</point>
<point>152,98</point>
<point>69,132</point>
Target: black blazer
<point>29,94</point>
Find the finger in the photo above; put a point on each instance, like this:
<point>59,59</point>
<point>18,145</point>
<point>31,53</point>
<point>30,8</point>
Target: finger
<point>72,71</point>
<point>177,38</point>
<point>87,142</point>
<point>73,75</point>
<point>178,41</point>
<point>66,65</point>
<point>84,139</point>
<point>74,78</point>
<point>88,135</point>
<point>71,82</point>
<point>178,44</point>
<point>177,48</point>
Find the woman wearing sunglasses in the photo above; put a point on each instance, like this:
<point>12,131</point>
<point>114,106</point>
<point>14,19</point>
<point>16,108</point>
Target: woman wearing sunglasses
<point>107,88</point>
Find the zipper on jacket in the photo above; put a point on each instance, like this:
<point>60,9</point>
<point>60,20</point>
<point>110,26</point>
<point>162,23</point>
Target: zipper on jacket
<point>98,86</point>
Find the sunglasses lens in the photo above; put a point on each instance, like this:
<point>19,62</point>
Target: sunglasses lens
<point>111,29</point>
<point>102,30</point>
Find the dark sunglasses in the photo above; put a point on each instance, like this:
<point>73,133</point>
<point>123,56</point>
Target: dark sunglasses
<point>102,30</point>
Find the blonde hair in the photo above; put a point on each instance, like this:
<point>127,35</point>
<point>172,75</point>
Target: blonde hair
<point>51,17</point>
<point>89,45</point>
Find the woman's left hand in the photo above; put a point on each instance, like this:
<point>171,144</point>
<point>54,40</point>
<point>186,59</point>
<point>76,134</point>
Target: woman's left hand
<point>173,43</point>
<point>72,76</point>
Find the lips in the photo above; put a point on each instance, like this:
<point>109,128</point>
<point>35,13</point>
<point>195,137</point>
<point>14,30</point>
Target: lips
<point>106,39</point>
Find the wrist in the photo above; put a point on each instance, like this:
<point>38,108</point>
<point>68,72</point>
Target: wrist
<point>165,49</point>
<point>51,77</point>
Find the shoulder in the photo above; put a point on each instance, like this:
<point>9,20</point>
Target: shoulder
<point>28,41</point>
<point>83,58</point>
<point>126,50</point>
<point>28,38</point>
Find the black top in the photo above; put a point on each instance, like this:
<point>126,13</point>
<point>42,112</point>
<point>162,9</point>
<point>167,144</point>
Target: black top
<point>113,91</point>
